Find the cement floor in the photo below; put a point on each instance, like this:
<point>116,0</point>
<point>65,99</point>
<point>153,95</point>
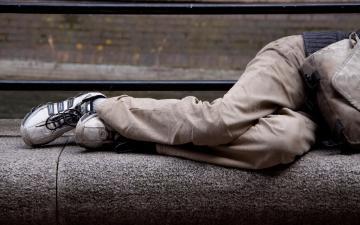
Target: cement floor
<point>62,183</point>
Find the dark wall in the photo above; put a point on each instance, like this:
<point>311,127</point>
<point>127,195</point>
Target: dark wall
<point>226,42</point>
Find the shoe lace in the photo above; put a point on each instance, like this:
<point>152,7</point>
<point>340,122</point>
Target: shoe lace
<point>69,117</point>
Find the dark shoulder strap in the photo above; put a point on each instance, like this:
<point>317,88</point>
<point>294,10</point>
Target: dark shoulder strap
<point>314,41</point>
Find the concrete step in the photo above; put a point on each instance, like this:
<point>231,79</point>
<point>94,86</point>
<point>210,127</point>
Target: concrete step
<point>62,183</point>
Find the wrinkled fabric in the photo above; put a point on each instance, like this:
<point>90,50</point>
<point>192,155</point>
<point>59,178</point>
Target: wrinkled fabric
<point>254,125</point>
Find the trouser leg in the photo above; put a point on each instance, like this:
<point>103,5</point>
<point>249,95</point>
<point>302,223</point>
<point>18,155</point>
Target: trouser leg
<point>270,81</point>
<point>275,139</point>
<point>167,121</point>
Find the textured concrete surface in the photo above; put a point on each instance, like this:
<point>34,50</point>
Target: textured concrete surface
<point>10,127</point>
<point>68,185</point>
<point>321,188</point>
<point>27,183</point>
<point>38,70</point>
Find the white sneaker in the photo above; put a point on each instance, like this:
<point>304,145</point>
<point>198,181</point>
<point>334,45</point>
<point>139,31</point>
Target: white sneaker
<point>49,121</point>
<point>92,133</point>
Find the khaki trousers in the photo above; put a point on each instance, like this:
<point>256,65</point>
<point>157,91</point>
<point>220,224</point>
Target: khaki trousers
<point>254,125</point>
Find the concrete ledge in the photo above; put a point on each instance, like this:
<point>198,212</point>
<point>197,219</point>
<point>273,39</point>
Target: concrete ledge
<point>27,69</point>
<point>74,186</point>
<point>27,182</point>
<point>321,188</point>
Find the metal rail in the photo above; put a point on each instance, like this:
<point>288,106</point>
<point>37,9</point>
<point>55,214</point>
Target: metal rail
<point>177,8</point>
<point>113,85</point>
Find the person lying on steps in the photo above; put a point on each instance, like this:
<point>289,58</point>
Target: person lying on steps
<point>259,123</point>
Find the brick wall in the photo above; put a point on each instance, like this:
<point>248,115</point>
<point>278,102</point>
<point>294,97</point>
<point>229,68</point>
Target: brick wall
<point>211,42</point>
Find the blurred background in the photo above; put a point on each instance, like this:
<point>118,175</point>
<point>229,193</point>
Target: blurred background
<point>140,47</point>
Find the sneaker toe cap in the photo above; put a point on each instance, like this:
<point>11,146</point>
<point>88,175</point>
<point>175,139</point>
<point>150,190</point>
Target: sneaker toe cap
<point>91,133</point>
